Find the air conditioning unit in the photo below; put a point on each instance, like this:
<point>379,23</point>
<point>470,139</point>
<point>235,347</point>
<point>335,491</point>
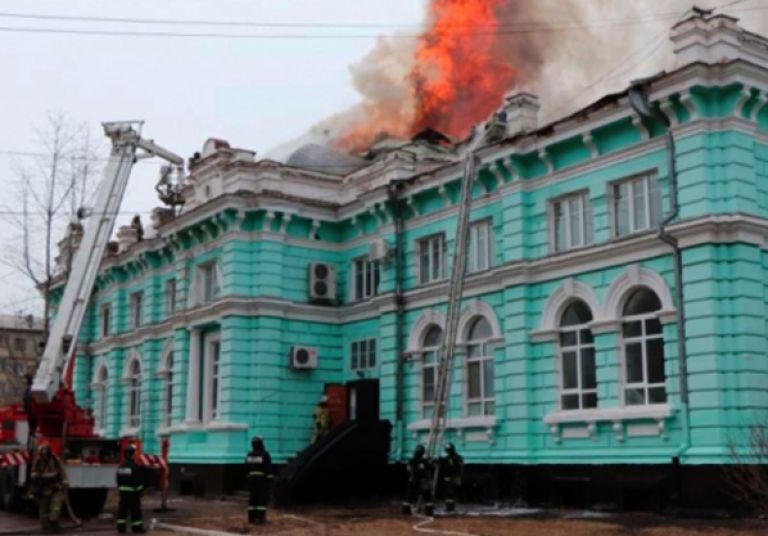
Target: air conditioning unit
<point>303,358</point>
<point>322,282</point>
<point>378,249</point>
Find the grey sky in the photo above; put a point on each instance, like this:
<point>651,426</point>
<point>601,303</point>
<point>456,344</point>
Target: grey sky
<point>254,93</point>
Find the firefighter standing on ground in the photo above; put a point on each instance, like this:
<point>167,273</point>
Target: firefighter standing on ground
<point>451,471</point>
<point>258,465</point>
<point>130,486</point>
<point>322,420</point>
<point>419,482</point>
<point>50,480</point>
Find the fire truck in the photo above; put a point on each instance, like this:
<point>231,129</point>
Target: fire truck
<point>49,411</point>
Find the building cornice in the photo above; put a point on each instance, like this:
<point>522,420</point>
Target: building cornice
<point>727,228</point>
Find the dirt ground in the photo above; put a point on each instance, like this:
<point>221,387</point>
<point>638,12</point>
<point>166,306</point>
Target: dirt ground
<point>385,520</point>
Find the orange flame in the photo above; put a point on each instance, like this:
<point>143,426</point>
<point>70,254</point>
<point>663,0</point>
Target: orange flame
<point>457,76</point>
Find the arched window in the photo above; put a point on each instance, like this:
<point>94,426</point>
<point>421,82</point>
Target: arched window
<point>578,381</point>
<point>643,341</point>
<point>168,392</point>
<point>480,391</point>
<point>433,339</point>
<point>134,393</point>
<point>100,398</point>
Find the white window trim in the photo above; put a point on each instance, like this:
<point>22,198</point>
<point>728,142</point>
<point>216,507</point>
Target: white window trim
<point>587,239</point>
<point>100,398</point>
<point>579,390</point>
<point>642,340</point>
<point>646,179</point>
<point>209,340</point>
<point>442,259</point>
<point>421,352</point>
<point>171,298</point>
<point>618,416</point>
<point>491,344</point>
<point>131,428</point>
<point>136,312</point>
<point>367,341</point>
<point>108,331</point>
<point>165,373</point>
<point>366,293</point>
<point>489,246</point>
<point>196,294</point>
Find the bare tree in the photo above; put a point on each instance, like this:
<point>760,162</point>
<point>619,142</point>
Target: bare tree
<point>49,188</point>
<point>747,476</point>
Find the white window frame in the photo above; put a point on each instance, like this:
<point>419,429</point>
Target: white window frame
<point>99,390</point>
<point>363,354</point>
<point>366,278</point>
<point>212,378</point>
<point>427,407</point>
<point>170,296</point>
<point>643,340</point>
<point>480,258</point>
<point>133,390</point>
<point>651,190</point>
<point>488,347</point>
<point>105,320</point>
<point>435,242</point>
<point>578,349</point>
<point>204,290</point>
<point>166,373</point>
<point>136,309</point>
<point>585,225</point>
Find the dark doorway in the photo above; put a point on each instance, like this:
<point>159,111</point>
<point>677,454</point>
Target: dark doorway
<point>364,400</point>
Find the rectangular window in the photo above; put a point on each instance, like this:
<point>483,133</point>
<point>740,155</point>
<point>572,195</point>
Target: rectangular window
<point>480,250</point>
<point>136,309</point>
<point>215,357</point>
<point>20,344</point>
<point>106,320</point>
<point>431,259</point>
<point>636,205</point>
<point>366,278</point>
<point>209,282</point>
<point>572,222</point>
<point>362,354</point>
<point>428,382</point>
<point>170,296</point>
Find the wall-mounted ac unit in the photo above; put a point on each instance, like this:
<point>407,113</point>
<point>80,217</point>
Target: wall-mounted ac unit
<point>303,357</point>
<point>378,249</point>
<point>322,282</point>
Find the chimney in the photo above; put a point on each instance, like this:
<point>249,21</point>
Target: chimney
<point>522,112</point>
<point>707,38</point>
<point>126,237</point>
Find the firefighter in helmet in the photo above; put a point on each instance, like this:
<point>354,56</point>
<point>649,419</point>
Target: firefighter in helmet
<point>322,420</point>
<point>258,465</point>
<point>130,487</point>
<point>451,471</point>
<point>419,482</point>
<point>49,479</point>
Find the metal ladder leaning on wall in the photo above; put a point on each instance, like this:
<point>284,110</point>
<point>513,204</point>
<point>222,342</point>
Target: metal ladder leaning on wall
<point>455,293</point>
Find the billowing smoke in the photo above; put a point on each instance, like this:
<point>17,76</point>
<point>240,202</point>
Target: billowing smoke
<point>473,52</point>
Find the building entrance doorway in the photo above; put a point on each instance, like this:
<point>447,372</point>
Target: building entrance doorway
<point>363,400</point>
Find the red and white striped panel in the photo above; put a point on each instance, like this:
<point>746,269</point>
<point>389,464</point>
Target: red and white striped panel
<point>11,459</point>
<point>152,460</point>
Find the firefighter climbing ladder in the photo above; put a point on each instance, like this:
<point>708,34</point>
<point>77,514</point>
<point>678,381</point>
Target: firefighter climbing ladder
<point>455,292</point>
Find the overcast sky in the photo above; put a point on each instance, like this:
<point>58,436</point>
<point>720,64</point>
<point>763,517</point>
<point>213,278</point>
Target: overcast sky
<point>256,93</point>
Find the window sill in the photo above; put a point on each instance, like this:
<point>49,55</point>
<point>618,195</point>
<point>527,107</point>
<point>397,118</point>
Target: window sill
<point>618,416</point>
<point>196,426</point>
<point>471,429</point>
<point>131,431</point>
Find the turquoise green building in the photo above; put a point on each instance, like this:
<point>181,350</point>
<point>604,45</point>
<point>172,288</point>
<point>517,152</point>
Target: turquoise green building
<point>278,279</point>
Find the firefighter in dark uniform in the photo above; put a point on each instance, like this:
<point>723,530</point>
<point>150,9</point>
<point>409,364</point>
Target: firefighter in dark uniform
<point>130,486</point>
<point>49,479</point>
<point>451,471</point>
<point>419,482</point>
<point>258,466</point>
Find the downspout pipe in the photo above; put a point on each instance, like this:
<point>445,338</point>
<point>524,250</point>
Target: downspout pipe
<point>638,99</point>
<point>393,193</point>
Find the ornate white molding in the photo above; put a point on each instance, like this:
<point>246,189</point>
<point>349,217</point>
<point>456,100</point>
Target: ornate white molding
<point>474,309</point>
<point>425,320</point>
<point>568,291</point>
<point>635,277</point>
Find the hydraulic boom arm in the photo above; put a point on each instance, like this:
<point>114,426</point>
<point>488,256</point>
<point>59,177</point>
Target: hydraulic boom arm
<point>62,340</point>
